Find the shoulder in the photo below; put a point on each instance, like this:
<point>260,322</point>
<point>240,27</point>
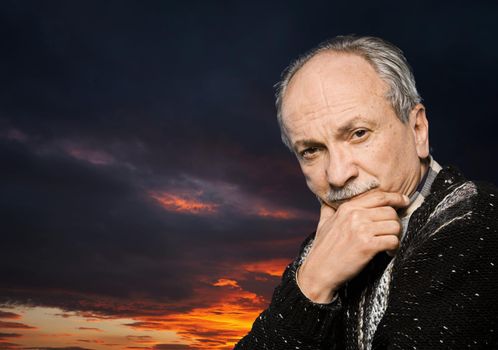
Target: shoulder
<point>454,238</point>
<point>459,215</point>
<point>468,203</point>
<point>465,211</point>
<point>456,199</point>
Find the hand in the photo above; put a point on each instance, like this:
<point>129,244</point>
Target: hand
<point>347,239</point>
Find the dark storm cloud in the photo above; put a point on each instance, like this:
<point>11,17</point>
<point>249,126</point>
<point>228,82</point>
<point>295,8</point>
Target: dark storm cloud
<point>14,325</point>
<point>10,315</point>
<point>102,103</point>
<point>93,231</point>
<point>4,336</point>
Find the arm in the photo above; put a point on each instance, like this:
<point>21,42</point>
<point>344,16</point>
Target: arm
<point>292,321</point>
<point>346,240</point>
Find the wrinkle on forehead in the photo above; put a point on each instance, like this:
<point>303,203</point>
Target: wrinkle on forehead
<point>332,81</point>
<point>322,90</point>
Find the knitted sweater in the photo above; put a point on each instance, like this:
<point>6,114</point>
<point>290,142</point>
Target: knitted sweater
<point>443,292</point>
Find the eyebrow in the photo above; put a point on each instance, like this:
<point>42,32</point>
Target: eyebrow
<point>342,130</point>
<point>306,143</point>
<point>351,124</point>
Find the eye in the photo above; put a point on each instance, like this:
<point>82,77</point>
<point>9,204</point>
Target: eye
<point>308,153</point>
<point>360,133</point>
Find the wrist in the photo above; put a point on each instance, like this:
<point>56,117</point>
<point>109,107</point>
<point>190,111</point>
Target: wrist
<point>316,295</point>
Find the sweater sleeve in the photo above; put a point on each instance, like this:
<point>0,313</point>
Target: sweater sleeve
<point>292,321</point>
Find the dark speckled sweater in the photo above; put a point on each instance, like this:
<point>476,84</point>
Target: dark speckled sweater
<point>443,289</point>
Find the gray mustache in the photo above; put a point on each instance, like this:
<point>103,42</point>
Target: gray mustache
<point>349,191</point>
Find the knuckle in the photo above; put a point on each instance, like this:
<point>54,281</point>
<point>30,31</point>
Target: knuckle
<point>355,216</point>
<point>381,196</point>
<point>361,240</point>
<point>361,227</point>
<point>401,198</point>
<point>346,208</point>
<point>365,242</point>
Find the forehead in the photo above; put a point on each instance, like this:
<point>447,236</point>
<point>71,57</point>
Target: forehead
<point>332,81</point>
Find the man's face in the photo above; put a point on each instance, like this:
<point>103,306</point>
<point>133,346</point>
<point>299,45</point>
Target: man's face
<point>345,133</point>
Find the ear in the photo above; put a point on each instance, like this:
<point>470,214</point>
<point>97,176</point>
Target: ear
<point>420,128</point>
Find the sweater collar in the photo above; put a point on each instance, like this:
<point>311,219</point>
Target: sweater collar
<point>422,191</point>
<point>423,188</point>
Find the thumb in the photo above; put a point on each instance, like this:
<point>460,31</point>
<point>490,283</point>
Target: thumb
<point>326,211</point>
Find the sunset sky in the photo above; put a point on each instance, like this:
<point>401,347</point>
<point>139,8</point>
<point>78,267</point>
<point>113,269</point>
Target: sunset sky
<point>146,200</point>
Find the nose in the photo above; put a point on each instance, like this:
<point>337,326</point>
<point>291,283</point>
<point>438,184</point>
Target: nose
<point>340,168</point>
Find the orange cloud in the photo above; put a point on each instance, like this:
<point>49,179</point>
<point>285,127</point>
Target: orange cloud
<point>179,204</point>
<point>220,311</point>
<point>4,336</point>
<point>89,329</point>
<point>15,325</point>
<point>274,267</point>
<point>223,314</point>
<point>216,326</point>
<point>142,339</point>
<point>10,315</point>
<point>92,341</point>
<point>8,346</point>
<point>275,214</point>
<point>173,347</point>
<point>224,282</point>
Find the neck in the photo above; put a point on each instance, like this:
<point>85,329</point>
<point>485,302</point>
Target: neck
<point>422,170</point>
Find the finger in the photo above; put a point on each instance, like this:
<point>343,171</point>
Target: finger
<point>381,214</point>
<point>326,211</point>
<point>382,228</point>
<point>381,199</point>
<point>386,243</point>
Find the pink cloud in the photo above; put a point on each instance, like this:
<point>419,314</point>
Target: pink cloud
<point>15,134</point>
<point>189,196</point>
<point>183,204</point>
<point>91,155</point>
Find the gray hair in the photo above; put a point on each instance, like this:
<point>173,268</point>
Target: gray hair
<point>386,59</point>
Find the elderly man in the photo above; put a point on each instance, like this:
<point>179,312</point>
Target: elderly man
<point>405,251</point>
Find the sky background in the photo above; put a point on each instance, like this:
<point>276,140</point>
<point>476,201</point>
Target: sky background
<point>146,200</point>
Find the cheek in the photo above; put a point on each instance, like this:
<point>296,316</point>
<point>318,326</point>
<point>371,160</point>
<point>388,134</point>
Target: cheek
<point>315,179</point>
<point>390,157</point>
<point>382,157</point>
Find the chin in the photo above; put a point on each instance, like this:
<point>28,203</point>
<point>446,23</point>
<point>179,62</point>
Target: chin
<point>336,204</point>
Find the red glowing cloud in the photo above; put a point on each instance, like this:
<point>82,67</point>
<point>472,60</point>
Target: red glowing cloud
<point>15,325</point>
<point>222,310</point>
<point>4,336</point>
<point>89,329</point>
<point>183,204</point>
<point>9,315</point>
<point>223,282</point>
<point>273,267</point>
<point>275,214</point>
